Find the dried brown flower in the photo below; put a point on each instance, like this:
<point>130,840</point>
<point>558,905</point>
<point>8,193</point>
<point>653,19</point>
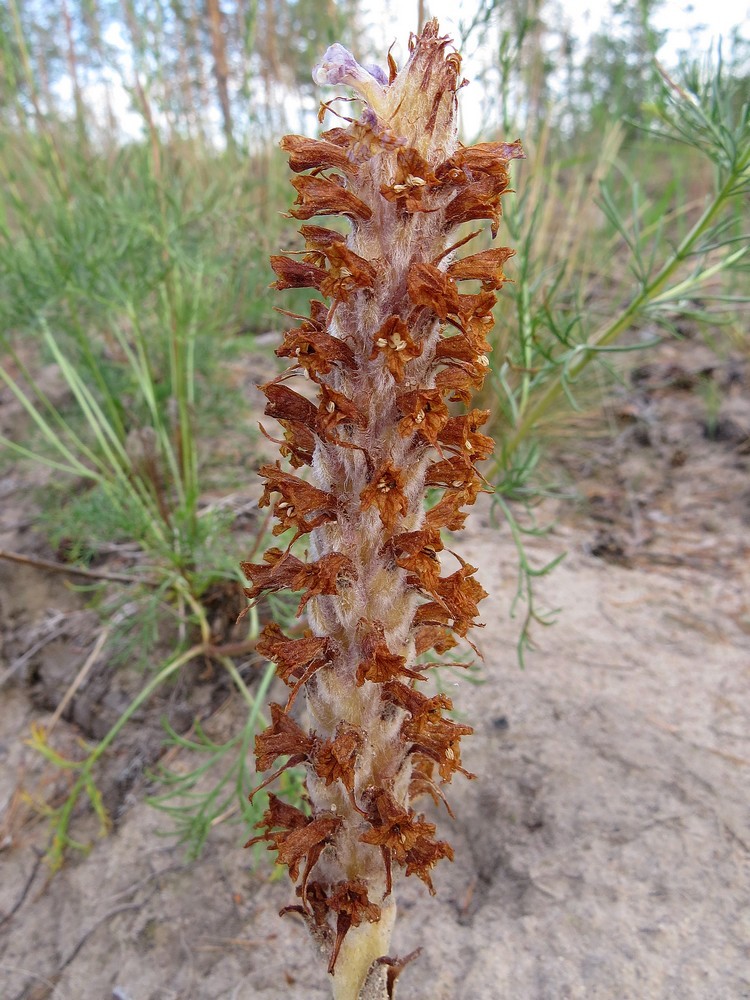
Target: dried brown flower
<point>424,413</point>
<point>335,760</point>
<point>393,341</point>
<point>386,492</point>
<point>377,663</point>
<point>298,500</point>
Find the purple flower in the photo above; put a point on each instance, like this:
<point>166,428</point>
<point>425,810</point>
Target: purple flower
<point>338,66</point>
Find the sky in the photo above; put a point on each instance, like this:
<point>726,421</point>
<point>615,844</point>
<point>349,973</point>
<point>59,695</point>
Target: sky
<point>690,25</point>
<point>392,21</point>
<point>678,16</point>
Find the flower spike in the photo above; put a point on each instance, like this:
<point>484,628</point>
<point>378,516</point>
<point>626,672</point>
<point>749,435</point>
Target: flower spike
<point>393,361</point>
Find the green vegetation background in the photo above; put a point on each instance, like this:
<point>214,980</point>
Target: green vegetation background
<point>134,266</point>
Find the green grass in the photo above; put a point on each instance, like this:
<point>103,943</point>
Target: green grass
<point>135,272</point>
<point>612,241</point>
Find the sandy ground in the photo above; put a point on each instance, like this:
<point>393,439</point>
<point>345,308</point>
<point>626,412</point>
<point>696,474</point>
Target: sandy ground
<point>603,853</point>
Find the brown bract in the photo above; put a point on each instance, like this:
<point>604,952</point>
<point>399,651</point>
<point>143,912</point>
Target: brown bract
<point>461,593</point>
<point>460,381</point>
<point>455,601</point>
<point>323,196</point>
<point>426,729</point>
<point>428,286</point>
<point>424,856</point>
<point>299,838</point>
<point>423,781</point>
<point>424,413</point>
<point>487,158</point>
<point>306,843</point>
<point>296,273</point>
<point>278,814</point>
<point>350,902</point>
<point>402,835</point>
<point>456,472</point>
<point>486,267</point>
<point>363,140</point>
<point>298,442</point>
<point>475,318</point>
<point>316,351</point>
<point>314,154</point>
<point>461,351</point>
<point>284,571</point>
<point>348,273</point>
<point>286,404</point>
<point>461,434</point>
<point>283,737</point>
<point>318,239</point>
<point>301,507</point>
<point>294,658</point>
<point>417,551</point>
<point>334,760</point>
<point>449,511</point>
<point>394,827</point>
<point>474,328</point>
<point>337,412</point>
<point>480,200</point>
<point>377,663</point>
<point>433,637</point>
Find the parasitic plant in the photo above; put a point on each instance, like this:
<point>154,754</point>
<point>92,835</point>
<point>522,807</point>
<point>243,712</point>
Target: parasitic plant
<point>401,340</point>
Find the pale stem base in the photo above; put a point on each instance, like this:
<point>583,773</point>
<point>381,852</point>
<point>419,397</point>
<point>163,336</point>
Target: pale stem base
<point>359,949</point>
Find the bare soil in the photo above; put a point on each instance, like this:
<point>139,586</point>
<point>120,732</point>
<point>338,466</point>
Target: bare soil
<point>602,853</point>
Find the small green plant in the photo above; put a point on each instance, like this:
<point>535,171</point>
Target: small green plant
<point>221,784</point>
<point>668,280</point>
<point>600,259</point>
